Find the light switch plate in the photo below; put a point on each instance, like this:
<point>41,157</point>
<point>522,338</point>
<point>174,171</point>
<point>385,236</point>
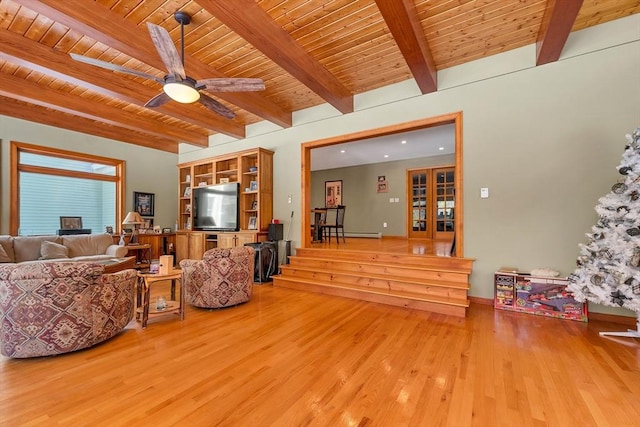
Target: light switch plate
<point>484,193</point>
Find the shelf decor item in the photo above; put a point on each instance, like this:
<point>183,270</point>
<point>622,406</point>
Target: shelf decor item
<point>252,223</point>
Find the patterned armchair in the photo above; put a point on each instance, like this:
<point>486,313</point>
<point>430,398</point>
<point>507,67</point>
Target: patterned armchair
<point>49,308</point>
<point>224,277</point>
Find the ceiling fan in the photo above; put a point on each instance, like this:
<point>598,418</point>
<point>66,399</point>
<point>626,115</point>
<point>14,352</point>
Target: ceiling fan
<point>176,84</point>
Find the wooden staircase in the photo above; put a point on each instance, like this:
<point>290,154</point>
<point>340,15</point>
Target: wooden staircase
<point>422,282</point>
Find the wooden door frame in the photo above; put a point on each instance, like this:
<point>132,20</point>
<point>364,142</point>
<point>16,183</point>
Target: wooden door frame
<point>305,163</point>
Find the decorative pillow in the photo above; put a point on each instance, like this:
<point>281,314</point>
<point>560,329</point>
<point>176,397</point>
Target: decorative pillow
<point>3,255</point>
<point>50,250</point>
<point>27,248</point>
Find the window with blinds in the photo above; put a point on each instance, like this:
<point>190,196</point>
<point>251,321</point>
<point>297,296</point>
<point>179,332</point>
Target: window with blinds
<point>54,183</point>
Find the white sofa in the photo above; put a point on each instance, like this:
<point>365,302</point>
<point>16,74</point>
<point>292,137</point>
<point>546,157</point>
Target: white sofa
<point>81,247</point>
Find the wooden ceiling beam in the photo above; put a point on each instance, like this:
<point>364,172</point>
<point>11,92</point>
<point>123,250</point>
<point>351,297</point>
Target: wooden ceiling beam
<point>247,19</point>
<point>559,17</point>
<point>35,113</point>
<point>30,92</point>
<point>402,19</point>
<point>101,24</point>
<point>28,53</point>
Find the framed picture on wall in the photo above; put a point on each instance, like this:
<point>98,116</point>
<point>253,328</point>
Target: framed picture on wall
<point>332,193</point>
<point>143,203</point>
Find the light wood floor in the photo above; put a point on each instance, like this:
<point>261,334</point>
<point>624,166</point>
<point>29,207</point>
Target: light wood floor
<point>291,358</point>
<point>396,245</point>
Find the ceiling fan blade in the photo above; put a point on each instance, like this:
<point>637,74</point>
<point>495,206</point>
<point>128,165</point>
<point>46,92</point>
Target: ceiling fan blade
<point>167,50</point>
<point>113,67</point>
<point>231,85</point>
<point>216,107</point>
<point>158,100</point>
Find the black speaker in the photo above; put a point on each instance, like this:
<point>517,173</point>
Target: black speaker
<point>276,232</point>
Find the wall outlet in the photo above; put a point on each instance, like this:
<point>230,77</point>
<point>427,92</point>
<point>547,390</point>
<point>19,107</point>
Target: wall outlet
<point>384,224</point>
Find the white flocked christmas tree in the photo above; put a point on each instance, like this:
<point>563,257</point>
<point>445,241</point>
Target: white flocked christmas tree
<point>608,268</point>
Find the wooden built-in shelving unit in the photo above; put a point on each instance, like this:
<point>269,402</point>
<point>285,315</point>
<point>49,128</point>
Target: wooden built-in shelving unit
<point>253,169</point>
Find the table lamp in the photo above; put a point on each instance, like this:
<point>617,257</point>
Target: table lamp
<point>133,218</point>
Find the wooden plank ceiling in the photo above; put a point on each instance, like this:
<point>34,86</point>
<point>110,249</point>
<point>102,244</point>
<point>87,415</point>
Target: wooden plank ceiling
<point>307,52</point>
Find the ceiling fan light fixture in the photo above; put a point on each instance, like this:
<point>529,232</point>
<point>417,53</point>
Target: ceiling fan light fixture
<point>181,92</point>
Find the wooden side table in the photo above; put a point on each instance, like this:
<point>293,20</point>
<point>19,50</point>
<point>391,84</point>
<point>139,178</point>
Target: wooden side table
<point>118,264</point>
<point>142,254</point>
<point>143,305</point>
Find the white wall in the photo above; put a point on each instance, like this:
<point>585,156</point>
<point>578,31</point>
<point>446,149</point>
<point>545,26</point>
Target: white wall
<point>142,165</point>
<point>545,140</point>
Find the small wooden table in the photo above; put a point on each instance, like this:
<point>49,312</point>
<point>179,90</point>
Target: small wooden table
<point>142,254</point>
<point>143,306</point>
<point>114,265</point>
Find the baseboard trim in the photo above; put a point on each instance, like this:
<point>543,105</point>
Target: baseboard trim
<point>363,235</point>
<point>481,301</point>
<point>612,318</point>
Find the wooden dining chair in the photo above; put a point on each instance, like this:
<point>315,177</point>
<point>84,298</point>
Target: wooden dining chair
<point>319,224</point>
<point>337,225</point>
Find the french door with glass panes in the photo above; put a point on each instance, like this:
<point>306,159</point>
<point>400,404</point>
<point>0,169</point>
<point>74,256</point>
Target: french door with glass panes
<point>431,198</point>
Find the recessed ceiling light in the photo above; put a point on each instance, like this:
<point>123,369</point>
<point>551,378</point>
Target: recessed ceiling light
<point>403,142</point>
<point>441,148</point>
<point>342,151</point>
<point>386,155</point>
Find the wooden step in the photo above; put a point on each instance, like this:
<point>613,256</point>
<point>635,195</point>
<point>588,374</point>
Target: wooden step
<point>381,269</point>
<point>397,283</point>
<point>457,264</point>
<point>430,283</point>
<point>432,304</point>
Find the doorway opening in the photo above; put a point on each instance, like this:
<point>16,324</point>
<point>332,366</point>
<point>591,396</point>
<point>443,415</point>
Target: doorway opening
<point>452,118</point>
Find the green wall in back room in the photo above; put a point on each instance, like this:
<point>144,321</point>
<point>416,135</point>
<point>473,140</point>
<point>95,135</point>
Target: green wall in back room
<point>367,209</point>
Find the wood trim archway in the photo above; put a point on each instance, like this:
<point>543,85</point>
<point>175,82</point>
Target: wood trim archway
<point>452,118</point>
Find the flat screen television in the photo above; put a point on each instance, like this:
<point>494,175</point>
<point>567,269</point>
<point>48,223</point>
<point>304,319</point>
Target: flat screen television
<point>216,207</point>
